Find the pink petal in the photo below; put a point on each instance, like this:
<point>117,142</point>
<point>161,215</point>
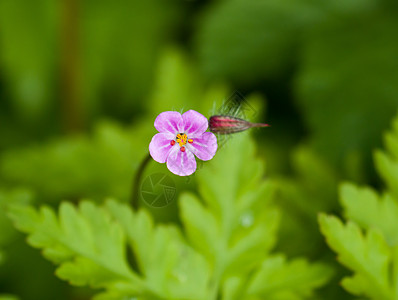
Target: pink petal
<point>204,147</point>
<point>169,121</point>
<point>194,123</point>
<point>181,163</point>
<point>160,146</point>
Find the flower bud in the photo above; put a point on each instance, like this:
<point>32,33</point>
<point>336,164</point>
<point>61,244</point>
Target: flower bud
<point>227,124</point>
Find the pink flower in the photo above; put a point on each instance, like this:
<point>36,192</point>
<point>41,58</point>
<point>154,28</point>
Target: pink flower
<point>181,137</point>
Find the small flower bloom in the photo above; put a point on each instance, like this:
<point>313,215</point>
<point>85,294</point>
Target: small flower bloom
<point>228,124</point>
<point>180,139</point>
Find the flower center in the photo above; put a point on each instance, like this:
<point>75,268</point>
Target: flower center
<point>181,139</point>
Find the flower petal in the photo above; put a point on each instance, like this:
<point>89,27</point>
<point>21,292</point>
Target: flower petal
<point>194,123</point>
<point>204,147</point>
<point>160,146</point>
<point>181,163</point>
<point>169,121</point>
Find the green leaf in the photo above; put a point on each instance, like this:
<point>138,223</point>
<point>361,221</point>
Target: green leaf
<point>7,231</point>
<point>85,242</point>
<point>235,222</point>
<point>11,197</point>
<point>171,267</point>
<point>369,210</point>
<point>387,161</point>
<point>88,244</point>
<point>302,196</point>
<point>314,179</point>
<point>232,222</point>
<point>200,225</point>
<point>373,254</point>
<point>231,226</point>
<point>279,279</point>
<point>368,256</point>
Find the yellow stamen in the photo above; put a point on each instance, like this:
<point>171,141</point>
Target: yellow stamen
<point>181,139</point>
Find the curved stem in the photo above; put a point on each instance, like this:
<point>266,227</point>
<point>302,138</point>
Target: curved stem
<point>136,181</point>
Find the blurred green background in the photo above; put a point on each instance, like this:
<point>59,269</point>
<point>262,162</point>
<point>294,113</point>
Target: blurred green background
<point>81,83</point>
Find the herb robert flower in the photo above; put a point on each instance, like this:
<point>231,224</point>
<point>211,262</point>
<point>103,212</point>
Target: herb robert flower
<point>180,139</point>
